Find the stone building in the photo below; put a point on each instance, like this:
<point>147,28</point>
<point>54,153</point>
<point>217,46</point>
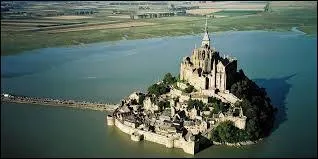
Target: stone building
<point>150,105</point>
<point>205,69</point>
<point>135,96</point>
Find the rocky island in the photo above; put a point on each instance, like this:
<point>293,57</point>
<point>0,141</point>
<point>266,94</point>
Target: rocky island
<point>210,102</point>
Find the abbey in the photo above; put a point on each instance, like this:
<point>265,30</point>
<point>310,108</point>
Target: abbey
<point>183,117</point>
<point>206,69</point>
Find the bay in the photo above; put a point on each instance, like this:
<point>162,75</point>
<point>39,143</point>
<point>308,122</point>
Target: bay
<point>282,62</point>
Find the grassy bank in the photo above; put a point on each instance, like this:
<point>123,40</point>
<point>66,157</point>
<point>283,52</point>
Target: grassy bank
<point>281,19</point>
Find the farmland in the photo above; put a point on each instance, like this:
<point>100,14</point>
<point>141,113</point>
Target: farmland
<point>40,24</point>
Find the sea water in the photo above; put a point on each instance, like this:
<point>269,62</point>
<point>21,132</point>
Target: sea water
<point>282,62</point>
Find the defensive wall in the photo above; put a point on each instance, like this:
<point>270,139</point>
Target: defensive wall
<point>190,147</point>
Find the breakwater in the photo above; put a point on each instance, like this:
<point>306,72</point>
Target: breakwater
<point>7,98</point>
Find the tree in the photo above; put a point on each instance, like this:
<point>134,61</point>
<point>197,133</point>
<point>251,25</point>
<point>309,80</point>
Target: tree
<point>189,89</point>
<point>164,104</point>
<point>213,100</point>
<point>220,107</point>
<point>256,107</point>
<point>197,103</point>
<point>227,132</point>
<point>169,79</point>
<point>158,89</point>
<point>141,99</point>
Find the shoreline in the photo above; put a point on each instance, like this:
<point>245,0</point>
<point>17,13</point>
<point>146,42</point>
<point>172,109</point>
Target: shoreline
<point>238,144</point>
<point>93,41</point>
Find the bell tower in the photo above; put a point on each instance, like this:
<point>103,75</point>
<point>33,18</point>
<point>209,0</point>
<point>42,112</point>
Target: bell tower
<point>206,38</point>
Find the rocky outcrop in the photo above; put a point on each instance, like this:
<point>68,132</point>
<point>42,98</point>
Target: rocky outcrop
<point>243,143</point>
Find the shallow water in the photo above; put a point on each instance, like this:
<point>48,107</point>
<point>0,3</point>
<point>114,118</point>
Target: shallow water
<point>282,62</point>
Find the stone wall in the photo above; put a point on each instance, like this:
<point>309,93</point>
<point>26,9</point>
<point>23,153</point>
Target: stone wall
<point>184,98</point>
<point>197,82</point>
<point>239,122</point>
<point>110,120</point>
<point>170,142</point>
<point>182,85</point>
<point>175,92</point>
<point>124,128</point>
<point>188,147</point>
<point>149,136</point>
<point>203,99</point>
<point>229,97</point>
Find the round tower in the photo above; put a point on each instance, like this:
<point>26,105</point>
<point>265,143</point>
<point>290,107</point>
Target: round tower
<point>110,120</point>
<point>135,136</point>
<point>170,143</point>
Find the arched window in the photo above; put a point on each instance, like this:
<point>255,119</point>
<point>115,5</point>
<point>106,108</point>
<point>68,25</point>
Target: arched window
<point>200,71</point>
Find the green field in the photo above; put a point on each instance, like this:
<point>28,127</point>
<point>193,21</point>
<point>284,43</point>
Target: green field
<point>281,19</point>
<point>231,13</point>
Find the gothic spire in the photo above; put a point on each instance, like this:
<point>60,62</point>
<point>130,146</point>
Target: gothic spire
<point>206,38</point>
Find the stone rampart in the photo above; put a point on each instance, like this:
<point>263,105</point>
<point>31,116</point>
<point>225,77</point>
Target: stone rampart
<point>189,147</point>
<point>229,97</point>
<point>239,122</point>
<point>124,128</point>
<point>110,120</point>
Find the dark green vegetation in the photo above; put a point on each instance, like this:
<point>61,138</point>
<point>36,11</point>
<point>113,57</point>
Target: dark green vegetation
<point>169,79</point>
<point>189,89</point>
<point>256,107</point>
<point>141,99</point>
<point>199,105</point>
<point>163,105</point>
<point>218,105</point>
<point>158,89</point>
<point>162,87</point>
<point>14,38</point>
<point>226,131</point>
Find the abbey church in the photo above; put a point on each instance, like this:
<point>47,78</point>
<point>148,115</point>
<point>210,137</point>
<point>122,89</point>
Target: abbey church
<point>206,69</point>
